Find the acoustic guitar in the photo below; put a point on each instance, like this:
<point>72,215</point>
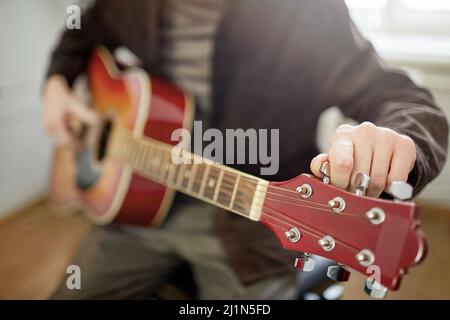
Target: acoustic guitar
<point>123,173</point>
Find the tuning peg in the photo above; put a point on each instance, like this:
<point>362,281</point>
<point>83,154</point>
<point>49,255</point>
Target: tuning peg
<point>338,273</point>
<point>305,262</point>
<point>325,171</point>
<point>374,289</point>
<point>362,183</point>
<point>401,190</point>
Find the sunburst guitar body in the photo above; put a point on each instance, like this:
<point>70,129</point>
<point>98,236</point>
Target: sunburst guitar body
<point>107,189</point>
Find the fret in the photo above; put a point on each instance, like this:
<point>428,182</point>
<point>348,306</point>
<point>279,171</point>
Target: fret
<point>198,178</point>
<point>204,179</point>
<point>180,175</point>
<point>147,158</point>
<point>122,151</point>
<point>245,193</point>
<point>186,176</point>
<point>156,161</point>
<point>136,153</point>
<point>146,165</point>
<point>136,150</point>
<point>218,183</point>
<point>128,150</point>
<point>140,154</point>
<point>191,180</point>
<point>227,185</point>
<point>164,167</point>
<point>211,182</point>
<point>235,190</point>
<point>131,152</point>
<point>148,161</point>
<point>173,173</point>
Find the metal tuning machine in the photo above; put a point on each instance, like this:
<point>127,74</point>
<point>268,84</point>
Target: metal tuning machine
<point>362,182</point>
<point>305,262</point>
<point>325,171</point>
<point>374,289</point>
<point>401,191</point>
<point>338,273</point>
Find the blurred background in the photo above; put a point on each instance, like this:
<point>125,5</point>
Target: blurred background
<point>411,34</point>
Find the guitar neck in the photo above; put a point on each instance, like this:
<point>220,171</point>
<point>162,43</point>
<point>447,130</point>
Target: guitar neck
<point>197,177</point>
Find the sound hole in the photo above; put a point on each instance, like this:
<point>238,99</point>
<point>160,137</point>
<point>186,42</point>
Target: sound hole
<point>103,140</point>
<point>90,157</point>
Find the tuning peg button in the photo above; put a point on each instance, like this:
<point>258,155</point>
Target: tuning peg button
<point>362,183</point>
<point>375,290</point>
<point>401,190</point>
<point>325,171</point>
<point>305,263</point>
<point>338,273</point>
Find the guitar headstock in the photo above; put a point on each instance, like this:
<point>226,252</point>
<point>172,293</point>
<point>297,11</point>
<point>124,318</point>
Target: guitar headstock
<point>375,237</point>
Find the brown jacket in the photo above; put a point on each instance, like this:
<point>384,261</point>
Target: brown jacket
<point>277,64</point>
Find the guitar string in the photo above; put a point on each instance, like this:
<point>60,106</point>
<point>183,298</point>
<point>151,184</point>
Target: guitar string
<point>213,164</point>
<point>231,188</point>
<point>246,202</point>
<point>233,181</point>
<point>226,177</point>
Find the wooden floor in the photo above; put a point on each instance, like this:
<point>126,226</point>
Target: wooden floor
<point>35,248</point>
<point>37,243</point>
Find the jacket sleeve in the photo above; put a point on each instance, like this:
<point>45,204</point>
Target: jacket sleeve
<point>71,54</point>
<point>352,77</point>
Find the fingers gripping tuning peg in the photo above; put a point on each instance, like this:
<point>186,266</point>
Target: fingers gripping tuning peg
<point>374,289</point>
<point>362,183</point>
<point>325,171</point>
<point>338,273</point>
<point>401,190</point>
<point>305,262</point>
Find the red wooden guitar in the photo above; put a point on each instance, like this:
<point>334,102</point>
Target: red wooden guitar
<point>124,174</point>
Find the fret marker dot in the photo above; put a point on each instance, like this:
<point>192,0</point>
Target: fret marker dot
<point>211,183</point>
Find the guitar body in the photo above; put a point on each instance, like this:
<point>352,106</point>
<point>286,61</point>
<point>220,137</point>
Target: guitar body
<point>108,190</point>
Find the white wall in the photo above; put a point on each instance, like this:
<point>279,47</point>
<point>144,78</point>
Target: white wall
<point>28,30</point>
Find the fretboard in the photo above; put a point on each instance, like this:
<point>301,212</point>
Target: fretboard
<point>200,178</point>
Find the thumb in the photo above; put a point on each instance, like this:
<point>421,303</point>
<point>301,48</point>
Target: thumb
<point>316,163</point>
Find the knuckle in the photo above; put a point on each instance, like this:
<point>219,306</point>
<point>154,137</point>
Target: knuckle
<point>367,125</point>
<point>344,163</point>
<point>366,130</point>
<point>378,181</point>
<point>385,138</point>
<point>386,134</point>
<point>407,146</point>
<point>343,129</point>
